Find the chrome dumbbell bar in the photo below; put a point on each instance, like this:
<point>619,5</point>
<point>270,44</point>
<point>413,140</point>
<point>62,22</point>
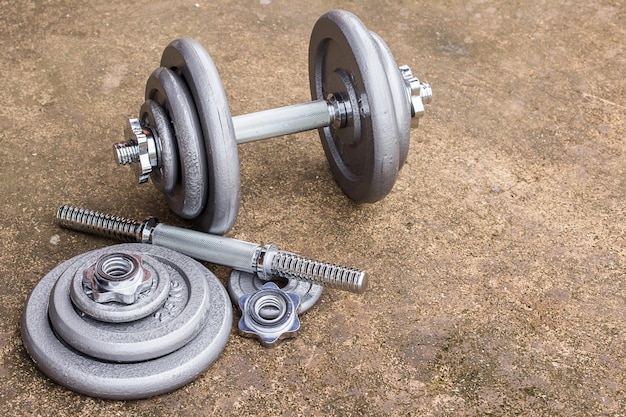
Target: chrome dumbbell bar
<point>268,262</point>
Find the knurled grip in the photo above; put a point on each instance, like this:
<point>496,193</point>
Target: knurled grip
<point>282,121</point>
<point>219,250</point>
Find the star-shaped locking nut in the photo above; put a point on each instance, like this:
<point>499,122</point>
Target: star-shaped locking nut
<point>117,277</point>
<point>140,150</point>
<point>269,315</point>
<point>419,94</point>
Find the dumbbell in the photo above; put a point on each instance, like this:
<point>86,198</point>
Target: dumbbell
<point>185,138</point>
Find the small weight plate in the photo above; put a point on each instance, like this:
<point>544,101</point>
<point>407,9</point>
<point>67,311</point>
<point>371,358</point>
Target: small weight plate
<point>176,322</point>
<point>243,283</point>
<point>191,61</point>
<point>168,90</point>
<point>399,92</point>
<point>126,381</point>
<point>149,301</point>
<point>341,48</point>
<point>154,116</point>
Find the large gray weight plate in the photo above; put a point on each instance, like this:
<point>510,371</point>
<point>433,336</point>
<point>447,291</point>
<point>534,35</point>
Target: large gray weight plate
<point>124,381</point>
<point>169,91</point>
<point>191,61</point>
<point>399,92</point>
<point>243,283</point>
<point>165,177</point>
<point>344,58</point>
<point>173,325</point>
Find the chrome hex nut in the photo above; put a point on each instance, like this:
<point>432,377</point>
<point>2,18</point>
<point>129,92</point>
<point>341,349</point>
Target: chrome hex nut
<point>117,277</point>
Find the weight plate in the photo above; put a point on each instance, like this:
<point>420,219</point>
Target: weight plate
<point>243,283</point>
<point>191,61</point>
<point>166,176</point>
<point>341,47</point>
<point>125,381</point>
<point>168,90</point>
<point>148,302</point>
<point>399,92</point>
<point>175,323</point>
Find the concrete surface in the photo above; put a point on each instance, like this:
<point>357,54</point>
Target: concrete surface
<point>497,263</point>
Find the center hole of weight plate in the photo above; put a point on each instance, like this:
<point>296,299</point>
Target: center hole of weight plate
<point>269,308</point>
<point>117,267</point>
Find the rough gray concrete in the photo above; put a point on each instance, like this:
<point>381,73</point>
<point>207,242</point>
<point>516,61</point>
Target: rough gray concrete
<point>497,262</point>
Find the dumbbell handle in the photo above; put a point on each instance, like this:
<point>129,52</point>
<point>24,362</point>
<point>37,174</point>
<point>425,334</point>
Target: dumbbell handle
<point>286,120</point>
<point>266,261</point>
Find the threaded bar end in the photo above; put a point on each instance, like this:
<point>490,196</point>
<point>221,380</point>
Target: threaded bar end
<point>291,266</point>
<point>126,152</point>
<point>107,225</point>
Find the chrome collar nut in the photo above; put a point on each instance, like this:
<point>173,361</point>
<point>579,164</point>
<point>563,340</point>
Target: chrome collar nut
<point>418,93</point>
<point>140,149</point>
<point>117,277</point>
<point>269,315</point>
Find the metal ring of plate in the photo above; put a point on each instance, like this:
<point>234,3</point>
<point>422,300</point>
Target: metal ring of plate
<point>193,63</point>
<point>165,177</point>
<point>168,90</point>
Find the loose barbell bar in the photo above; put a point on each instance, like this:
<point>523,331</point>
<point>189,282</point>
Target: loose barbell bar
<point>363,106</point>
<point>267,262</point>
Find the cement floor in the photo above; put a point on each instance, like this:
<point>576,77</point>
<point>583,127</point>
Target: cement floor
<point>497,262</point>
